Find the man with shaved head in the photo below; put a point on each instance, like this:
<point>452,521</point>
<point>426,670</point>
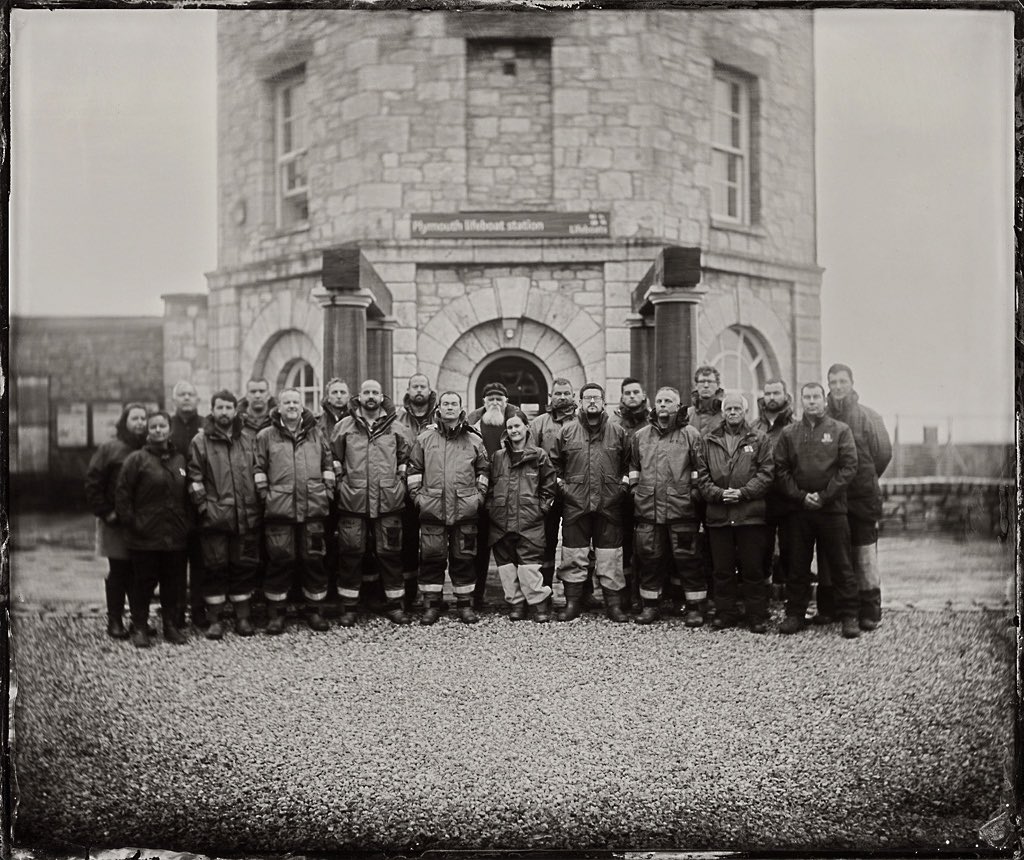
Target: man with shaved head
<point>372,455</point>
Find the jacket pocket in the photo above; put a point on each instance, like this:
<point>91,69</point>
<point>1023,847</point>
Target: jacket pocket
<point>317,501</point>
<point>392,495</point>
<point>351,496</point>
<point>430,502</point>
<point>467,503</point>
<point>280,504</point>
<point>680,504</point>
<point>219,517</point>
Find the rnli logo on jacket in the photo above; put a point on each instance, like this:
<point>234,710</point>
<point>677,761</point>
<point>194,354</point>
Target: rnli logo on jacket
<point>826,437</point>
<point>182,472</point>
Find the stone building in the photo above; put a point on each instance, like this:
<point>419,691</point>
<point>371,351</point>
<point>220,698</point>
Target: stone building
<point>514,196</point>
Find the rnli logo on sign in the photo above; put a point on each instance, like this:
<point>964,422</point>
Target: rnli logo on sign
<point>826,437</point>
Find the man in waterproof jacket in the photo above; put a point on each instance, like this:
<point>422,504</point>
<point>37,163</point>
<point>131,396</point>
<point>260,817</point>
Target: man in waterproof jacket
<point>489,422</point>
<point>185,424</point>
<point>334,407</point>
<point>815,460</point>
<point>294,478</point>
<point>662,466</point>
<point>100,482</point>
<point>544,430</point>
<point>221,485</point>
<point>415,414</point>
<point>522,488</point>
<point>447,480</point>
<point>591,461</point>
<point>775,413</point>
<point>863,496</point>
<point>254,408</point>
<point>734,471</point>
<point>632,414</point>
<point>372,456</point>
<point>705,411</point>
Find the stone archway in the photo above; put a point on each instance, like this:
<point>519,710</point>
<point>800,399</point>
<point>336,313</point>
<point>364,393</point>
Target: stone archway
<point>525,377</point>
<point>282,348</point>
<point>543,345</point>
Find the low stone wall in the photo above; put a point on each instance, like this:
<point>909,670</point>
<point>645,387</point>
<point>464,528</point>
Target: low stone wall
<point>965,507</point>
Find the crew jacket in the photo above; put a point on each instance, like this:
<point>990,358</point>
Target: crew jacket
<point>411,424</point>
<point>151,499</point>
<point>520,493</point>
<point>662,467</point>
<point>221,483</point>
<point>816,457</point>
<point>749,469</point>
<point>372,460</point>
<point>592,463</point>
<point>633,419</point>
<point>292,470</point>
<point>105,465</point>
<point>546,427</point>
<point>707,416</point>
<point>874,453</point>
<point>448,472</point>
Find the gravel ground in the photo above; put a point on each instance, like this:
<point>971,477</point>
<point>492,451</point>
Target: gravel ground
<point>582,735</point>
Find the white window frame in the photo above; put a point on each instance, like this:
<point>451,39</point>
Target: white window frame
<point>292,378</point>
<point>296,195</point>
<point>729,149</point>
<point>751,355</point>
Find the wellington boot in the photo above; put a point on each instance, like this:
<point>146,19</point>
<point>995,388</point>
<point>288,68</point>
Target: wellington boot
<point>171,632</point>
<point>275,618</point>
<point>542,611</point>
<point>613,606</point>
<point>467,614</point>
<point>396,615</point>
<point>243,626</point>
<point>431,610</point>
<point>693,617</point>
<point>315,620</point>
<point>650,613</point>
<point>573,602</point>
<point>518,611</point>
<point>411,592</point>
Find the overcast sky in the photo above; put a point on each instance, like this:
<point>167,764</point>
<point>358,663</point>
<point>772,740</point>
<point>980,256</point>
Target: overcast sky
<point>114,189</point>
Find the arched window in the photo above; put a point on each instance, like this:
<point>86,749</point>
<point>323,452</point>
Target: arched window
<point>744,362</point>
<point>299,374</point>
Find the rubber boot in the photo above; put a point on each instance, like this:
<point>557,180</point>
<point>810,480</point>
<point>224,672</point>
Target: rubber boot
<point>394,613</point>
<point>870,609</point>
<point>215,629</point>
<point>347,616</point>
<point>275,617</point>
<point>314,618</point>
<point>650,613</point>
<point>613,606</point>
<point>542,611</point>
<point>171,632</point>
<point>826,605</point>
<point>115,592</point>
<point>431,609</point>
<point>693,616</point>
<point>519,611</point>
<point>573,601</point>
<point>464,610</point>
<point>243,626</point>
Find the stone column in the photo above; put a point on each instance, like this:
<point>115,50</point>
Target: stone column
<point>380,352</point>
<point>675,336</point>
<point>345,340</point>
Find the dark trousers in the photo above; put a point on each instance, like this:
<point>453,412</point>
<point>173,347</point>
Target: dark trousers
<point>831,532</point>
<point>410,541</point>
<point>361,539</point>
<point>295,551</point>
<point>777,531</point>
<point>741,546</point>
<point>668,554</point>
<point>331,552</point>
<point>230,565</point>
<point>552,522</point>
<point>151,568</point>
<point>482,561</point>
<point>118,585</point>
<point>455,545</point>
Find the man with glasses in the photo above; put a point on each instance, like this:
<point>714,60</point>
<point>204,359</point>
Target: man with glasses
<point>590,458</point>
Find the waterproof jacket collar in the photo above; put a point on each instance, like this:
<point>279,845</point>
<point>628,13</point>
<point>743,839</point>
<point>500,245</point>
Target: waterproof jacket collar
<point>563,413</point>
<point>460,426</point>
<point>306,424</point>
<point>715,402</point>
<point>336,412</point>
<point>530,452</point>
<point>844,407</point>
<point>634,416</point>
<point>808,421</point>
<point>682,419</point>
<point>745,434</point>
<point>212,429</point>
<point>423,419</point>
<point>385,418</point>
<point>163,452</point>
<point>592,429</point>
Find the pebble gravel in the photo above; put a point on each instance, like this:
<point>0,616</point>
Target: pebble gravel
<point>504,735</point>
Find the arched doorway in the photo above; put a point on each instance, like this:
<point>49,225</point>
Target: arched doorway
<point>526,383</point>
<point>744,361</point>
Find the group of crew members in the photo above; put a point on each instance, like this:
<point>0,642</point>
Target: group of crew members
<point>664,508</point>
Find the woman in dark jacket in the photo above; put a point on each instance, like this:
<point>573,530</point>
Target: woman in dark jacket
<point>152,503</point>
<point>734,472</point>
<point>100,482</point>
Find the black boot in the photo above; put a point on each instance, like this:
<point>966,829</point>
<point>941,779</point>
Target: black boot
<point>870,609</point>
<point>464,609</point>
<point>573,602</point>
<point>243,626</point>
<point>347,618</point>
<point>275,617</point>
<point>395,614</point>
<point>140,635</point>
<point>693,617</point>
<point>826,605</point>
<point>409,601</point>
<point>116,590</point>
<point>518,611</point>
<point>650,612</point>
<point>431,610</point>
<point>214,629</point>
<point>613,606</point>
<point>314,618</point>
<point>542,611</point>
<point>171,632</point>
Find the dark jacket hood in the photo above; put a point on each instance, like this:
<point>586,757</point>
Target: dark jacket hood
<point>210,428</point>
<point>431,405</point>
<point>306,421</point>
<point>581,416</point>
<point>461,426</point>
<point>562,413</point>
<point>716,401</point>
<point>634,416</point>
<point>783,417</point>
<point>682,419</point>
<point>839,408</point>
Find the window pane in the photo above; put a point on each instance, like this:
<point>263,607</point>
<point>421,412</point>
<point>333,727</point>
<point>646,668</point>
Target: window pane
<point>734,98</point>
<point>735,136</point>
<point>734,207</point>
<point>720,130</point>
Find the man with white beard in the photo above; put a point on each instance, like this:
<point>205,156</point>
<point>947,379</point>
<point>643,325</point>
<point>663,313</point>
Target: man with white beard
<point>489,422</point>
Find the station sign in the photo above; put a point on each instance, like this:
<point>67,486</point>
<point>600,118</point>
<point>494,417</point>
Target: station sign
<point>509,225</point>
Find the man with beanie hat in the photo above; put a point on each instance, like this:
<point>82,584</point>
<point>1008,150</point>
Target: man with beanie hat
<point>522,488</point>
<point>590,460</point>
<point>863,496</point>
<point>544,430</point>
<point>221,486</point>
<point>489,422</point>
<point>662,466</point>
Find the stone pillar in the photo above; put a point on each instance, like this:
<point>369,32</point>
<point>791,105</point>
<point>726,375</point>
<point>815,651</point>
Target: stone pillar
<point>345,340</point>
<point>641,350</point>
<point>675,337</point>
<point>380,358</point>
